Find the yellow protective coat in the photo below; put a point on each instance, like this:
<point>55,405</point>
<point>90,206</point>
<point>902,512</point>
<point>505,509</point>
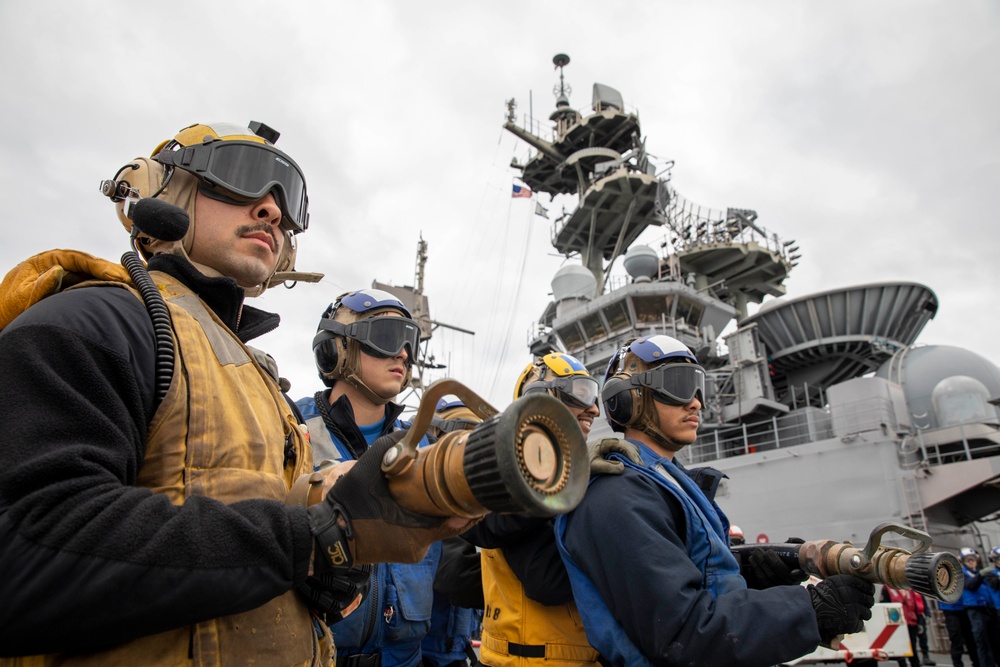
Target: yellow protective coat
<point>219,432</point>
<point>513,623</point>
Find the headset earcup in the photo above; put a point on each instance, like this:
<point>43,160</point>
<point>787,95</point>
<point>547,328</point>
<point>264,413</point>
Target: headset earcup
<point>617,398</point>
<point>327,356</point>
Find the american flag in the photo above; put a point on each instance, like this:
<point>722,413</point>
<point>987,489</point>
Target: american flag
<point>521,191</point>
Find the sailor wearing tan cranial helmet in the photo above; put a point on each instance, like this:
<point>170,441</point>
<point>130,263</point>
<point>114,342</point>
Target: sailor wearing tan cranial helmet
<point>206,165</point>
<point>195,473</point>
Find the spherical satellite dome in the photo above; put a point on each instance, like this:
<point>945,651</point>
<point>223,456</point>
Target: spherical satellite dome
<point>573,281</point>
<point>641,262</point>
<point>944,385</point>
<point>961,400</point>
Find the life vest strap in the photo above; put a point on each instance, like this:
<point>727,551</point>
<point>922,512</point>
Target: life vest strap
<point>566,652</point>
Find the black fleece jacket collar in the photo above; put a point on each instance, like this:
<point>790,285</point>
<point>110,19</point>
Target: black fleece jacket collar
<point>223,295</point>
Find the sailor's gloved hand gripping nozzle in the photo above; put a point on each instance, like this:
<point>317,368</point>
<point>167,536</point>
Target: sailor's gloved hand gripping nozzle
<point>397,500</point>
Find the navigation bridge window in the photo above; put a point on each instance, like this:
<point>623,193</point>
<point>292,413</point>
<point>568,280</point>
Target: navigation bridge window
<point>689,311</point>
<point>617,316</point>
<point>593,327</point>
<point>571,336</point>
<point>654,309</point>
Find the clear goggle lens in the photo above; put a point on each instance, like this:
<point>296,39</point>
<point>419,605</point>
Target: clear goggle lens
<point>576,391</point>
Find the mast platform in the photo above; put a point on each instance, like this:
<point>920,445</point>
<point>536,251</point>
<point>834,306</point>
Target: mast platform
<point>612,214</point>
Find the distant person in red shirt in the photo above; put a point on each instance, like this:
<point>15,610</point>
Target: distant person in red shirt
<point>913,609</point>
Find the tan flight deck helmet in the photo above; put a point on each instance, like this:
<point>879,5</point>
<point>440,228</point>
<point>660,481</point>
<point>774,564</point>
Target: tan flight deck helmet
<point>227,162</point>
<point>356,322</point>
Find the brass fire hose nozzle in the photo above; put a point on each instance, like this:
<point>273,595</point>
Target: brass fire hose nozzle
<point>530,458</point>
<point>935,574</point>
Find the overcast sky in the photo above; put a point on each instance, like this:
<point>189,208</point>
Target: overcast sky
<point>867,131</point>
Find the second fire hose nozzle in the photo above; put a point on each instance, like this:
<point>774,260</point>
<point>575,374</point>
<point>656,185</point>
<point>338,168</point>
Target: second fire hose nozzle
<point>934,574</point>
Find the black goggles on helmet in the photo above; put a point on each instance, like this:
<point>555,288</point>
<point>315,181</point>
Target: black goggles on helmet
<point>576,391</point>
<point>673,384</point>
<point>381,337</point>
<point>244,171</point>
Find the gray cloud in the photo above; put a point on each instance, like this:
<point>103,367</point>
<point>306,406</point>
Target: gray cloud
<point>866,131</point>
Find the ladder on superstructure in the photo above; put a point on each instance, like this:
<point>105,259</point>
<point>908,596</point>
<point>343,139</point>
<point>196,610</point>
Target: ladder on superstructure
<point>913,506</point>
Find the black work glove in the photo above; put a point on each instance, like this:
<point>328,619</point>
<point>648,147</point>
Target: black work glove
<point>332,592</point>
<point>601,466</point>
<point>842,603</point>
<point>763,569</point>
<point>360,522</point>
<point>992,580</point>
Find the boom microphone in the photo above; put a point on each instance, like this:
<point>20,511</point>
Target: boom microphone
<point>159,219</point>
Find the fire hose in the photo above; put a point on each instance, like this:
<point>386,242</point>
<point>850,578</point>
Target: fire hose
<point>933,574</point>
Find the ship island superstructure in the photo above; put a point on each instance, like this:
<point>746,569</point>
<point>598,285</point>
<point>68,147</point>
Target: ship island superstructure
<point>824,411</point>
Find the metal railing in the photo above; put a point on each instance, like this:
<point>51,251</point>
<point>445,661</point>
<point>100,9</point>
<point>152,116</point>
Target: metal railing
<point>752,437</point>
<point>870,416</point>
<point>544,129</point>
<point>968,446</point>
<point>694,225</point>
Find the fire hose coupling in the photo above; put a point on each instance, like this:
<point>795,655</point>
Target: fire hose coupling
<point>934,574</point>
<point>530,458</point>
